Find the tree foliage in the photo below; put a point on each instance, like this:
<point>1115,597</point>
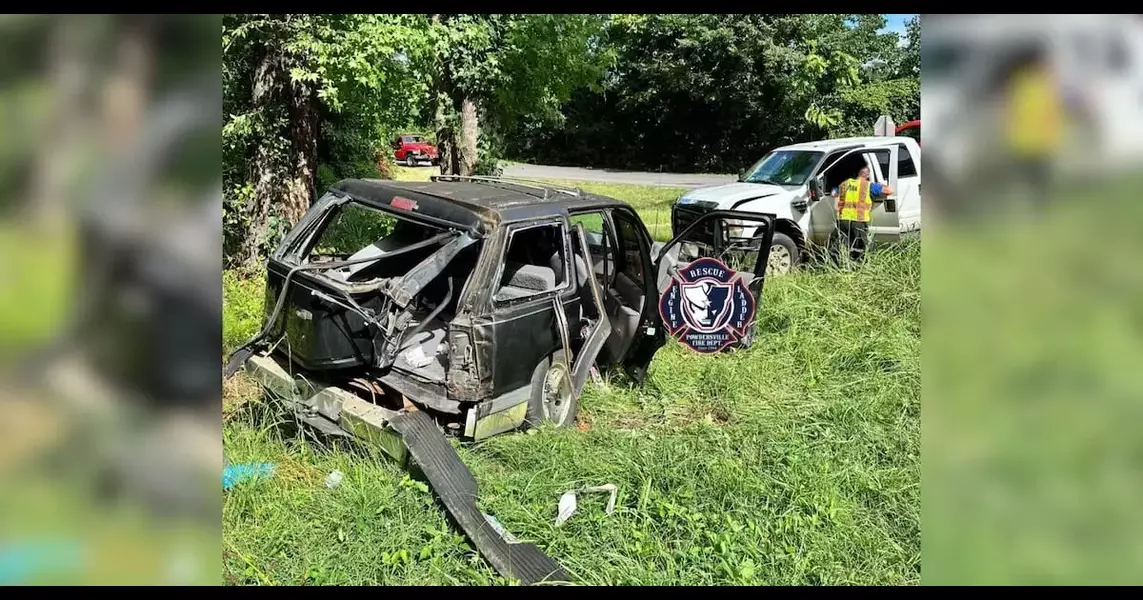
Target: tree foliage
<point>714,92</point>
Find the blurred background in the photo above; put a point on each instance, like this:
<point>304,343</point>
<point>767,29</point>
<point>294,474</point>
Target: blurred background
<point>1033,299</point>
<point>110,239</point>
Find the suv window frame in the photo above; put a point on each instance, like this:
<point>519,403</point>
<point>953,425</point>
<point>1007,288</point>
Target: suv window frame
<point>610,241</point>
<point>510,230</point>
<point>632,218</point>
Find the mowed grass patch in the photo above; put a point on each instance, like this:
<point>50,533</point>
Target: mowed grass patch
<point>794,462</point>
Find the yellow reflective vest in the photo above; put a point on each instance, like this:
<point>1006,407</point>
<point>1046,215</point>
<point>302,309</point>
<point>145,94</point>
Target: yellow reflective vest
<point>1035,114</point>
<point>853,201</point>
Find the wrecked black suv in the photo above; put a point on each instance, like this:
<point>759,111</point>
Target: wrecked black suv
<point>483,301</point>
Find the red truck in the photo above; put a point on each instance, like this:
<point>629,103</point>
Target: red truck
<point>413,149</point>
<point>911,129</point>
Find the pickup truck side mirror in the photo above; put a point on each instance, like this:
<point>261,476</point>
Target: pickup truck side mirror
<point>741,174</point>
<point>817,187</point>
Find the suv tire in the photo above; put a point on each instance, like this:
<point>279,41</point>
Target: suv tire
<point>552,400</point>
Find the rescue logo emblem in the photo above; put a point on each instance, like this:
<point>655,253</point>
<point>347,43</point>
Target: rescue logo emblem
<point>707,306</point>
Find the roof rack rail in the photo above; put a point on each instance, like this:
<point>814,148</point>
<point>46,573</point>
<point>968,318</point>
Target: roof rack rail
<point>520,181</point>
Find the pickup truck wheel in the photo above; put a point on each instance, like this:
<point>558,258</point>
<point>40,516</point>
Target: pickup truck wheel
<point>552,400</point>
<point>783,255</point>
<point>410,161</point>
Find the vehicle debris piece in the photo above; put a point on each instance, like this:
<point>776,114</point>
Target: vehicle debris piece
<point>566,509</point>
<point>457,490</point>
<point>567,506</point>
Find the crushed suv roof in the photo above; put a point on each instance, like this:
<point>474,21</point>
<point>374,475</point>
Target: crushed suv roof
<point>471,202</point>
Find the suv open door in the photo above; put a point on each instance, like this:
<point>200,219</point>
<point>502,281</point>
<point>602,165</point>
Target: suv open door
<point>714,226</point>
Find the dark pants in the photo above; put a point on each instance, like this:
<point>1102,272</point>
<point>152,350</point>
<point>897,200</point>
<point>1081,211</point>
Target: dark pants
<point>1034,175</point>
<point>850,236</point>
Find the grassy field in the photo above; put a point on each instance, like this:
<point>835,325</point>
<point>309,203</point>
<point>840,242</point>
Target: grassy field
<point>796,462</point>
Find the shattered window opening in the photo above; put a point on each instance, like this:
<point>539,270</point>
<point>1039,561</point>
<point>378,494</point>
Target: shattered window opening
<point>535,262</point>
<point>356,232</point>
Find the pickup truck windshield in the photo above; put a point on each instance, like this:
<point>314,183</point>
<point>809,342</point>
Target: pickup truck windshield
<point>783,167</point>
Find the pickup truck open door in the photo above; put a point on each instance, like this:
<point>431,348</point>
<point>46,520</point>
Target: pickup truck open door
<point>882,163</point>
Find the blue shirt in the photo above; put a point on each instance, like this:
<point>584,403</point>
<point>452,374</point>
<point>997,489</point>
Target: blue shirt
<point>875,189</point>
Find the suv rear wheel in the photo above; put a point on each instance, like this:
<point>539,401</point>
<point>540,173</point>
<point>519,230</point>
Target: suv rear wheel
<point>552,400</point>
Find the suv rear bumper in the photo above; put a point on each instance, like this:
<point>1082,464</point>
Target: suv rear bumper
<point>336,411</point>
<point>329,409</point>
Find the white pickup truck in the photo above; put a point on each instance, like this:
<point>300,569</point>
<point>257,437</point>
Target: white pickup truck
<point>794,184</point>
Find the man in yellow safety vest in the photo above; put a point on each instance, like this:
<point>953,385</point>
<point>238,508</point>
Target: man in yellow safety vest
<point>855,198</point>
<point>1035,123</point>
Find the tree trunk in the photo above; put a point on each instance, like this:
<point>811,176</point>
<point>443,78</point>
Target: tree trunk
<point>125,95</point>
<point>70,65</point>
<point>442,109</point>
<point>446,139</point>
<point>284,170</point>
<point>266,169</point>
<point>458,146</point>
<point>469,132</point>
<point>298,191</point>
<point>456,137</point>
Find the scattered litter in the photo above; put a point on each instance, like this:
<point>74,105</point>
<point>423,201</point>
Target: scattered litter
<point>334,479</point>
<point>499,528</point>
<point>566,509</point>
<point>416,357</point>
<point>233,475</point>
<point>22,562</point>
<point>568,506</point>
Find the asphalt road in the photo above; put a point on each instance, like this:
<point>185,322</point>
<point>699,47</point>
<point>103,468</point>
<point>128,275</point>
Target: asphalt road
<point>682,180</point>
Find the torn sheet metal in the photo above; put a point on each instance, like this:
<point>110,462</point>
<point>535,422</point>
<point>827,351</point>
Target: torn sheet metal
<point>567,506</point>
